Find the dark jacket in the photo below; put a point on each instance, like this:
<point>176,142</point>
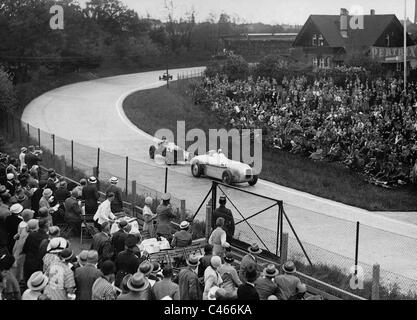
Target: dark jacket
<point>204,263</point>
<point>72,210</point>
<point>117,203</point>
<point>266,287</point>
<point>189,285</point>
<point>12,223</point>
<point>32,159</point>
<point>90,196</point>
<point>229,222</point>
<point>33,261</point>
<point>118,241</point>
<point>247,292</point>
<point>102,244</point>
<point>37,195</point>
<point>126,263</point>
<point>84,279</point>
<point>182,239</point>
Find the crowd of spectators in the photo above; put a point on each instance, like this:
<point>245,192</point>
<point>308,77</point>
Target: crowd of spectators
<point>368,125</point>
<point>39,261</point>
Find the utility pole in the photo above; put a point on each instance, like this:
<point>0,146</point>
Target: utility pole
<point>405,46</point>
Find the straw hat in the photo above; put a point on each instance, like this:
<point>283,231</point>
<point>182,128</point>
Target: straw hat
<point>92,180</point>
<point>193,260</point>
<point>16,208</point>
<point>146,268</point>
<point>270,271</point>
<point>289,267</point>
<point>138,282</point>
<point>47,192</point>
<point>148,201</point>
<point>166,196</point>
<point>37,281</point>
<point>114,180</point>
<point>56,245</point>
<point>184,225</point>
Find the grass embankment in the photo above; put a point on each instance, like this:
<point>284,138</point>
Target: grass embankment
<point>160,108</point>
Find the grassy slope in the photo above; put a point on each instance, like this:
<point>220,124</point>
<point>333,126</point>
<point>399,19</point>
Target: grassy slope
<point>159,108</point>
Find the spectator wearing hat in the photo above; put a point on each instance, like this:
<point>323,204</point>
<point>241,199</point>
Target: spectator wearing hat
<point>11,184</point>
<point>32,158</point>
<point>12,223</point>
<point>31,247</point>
<point>212,278</point>
<point>166,287</point>
<point>102,288</point>
<point>146,267</point>
<point>82,258</point>
<point>188,280</point>
<point>36,284</point>
<point>36,197</point>
<point>53,232</point>
<point>165,215</point>
<point>247,290</point>
<point>102,244</point>
<point>156,274</point>
<point>205,260</point>
<point>226,214</point>
<point>288,282</point>
<point>104,213</point>
<point>20,237</point>
<point>119,237</point>
<point>265,284</point>
<point>46,200</point>
<point>11,289</point>
<point>117,203</point>
<point>182,238</point>
<point>230,277</point>
<point>4,207</point>
<point>249,259</point>
<point>86,274</point>
<point>149,219</point>
<point>127,262</point>
<point>79,188</point>
<point>218,239</point>
<point>61,283</point>
<point>44,214</point>
<point>90,197</point>
<point>139,288</point>
<point>73,213</point>
<point>23,199</point>
<point>55,246</point>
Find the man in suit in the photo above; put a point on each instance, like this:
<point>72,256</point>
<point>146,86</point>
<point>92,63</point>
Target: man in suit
<point>127,262</point>
<point>182,238</point>
<point>117,203</point>
<point>12,223</point>
<point>90,196</point>
<point>226,214</point>
<point>288,282</point>
<point>119,237</point>
<point>32,158</point>
<point>247,260</point>
<point>102,244</point>
<point>188,280</point>
<point>265,285</point>
<point>165,215</point>
<point>86,275</point>
<point>73,213</point>
<point>247,291</point>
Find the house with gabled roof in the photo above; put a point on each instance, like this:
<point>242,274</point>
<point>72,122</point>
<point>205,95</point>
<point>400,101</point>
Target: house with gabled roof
<point>328,40</point>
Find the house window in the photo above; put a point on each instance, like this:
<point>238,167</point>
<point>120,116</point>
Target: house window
<point>314,40</point>
<point>327,62</point>
<point>315,62</point>
<point>321,41</point>
<point>322,61</point>
<point>387,40</point>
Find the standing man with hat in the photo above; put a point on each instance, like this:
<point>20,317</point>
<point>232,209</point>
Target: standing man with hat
<point>226,214</point>
<point>249,259</point>
<point>117,203</point>
<point>119,237</point>
<point>247,290</point>
<point>139,288</point>
<point>104,212</point>
<point>32,158</point>
<point>265,285</point>
<point>182,238</point>
<point>12,223</point>
<point>90,197</point>
<point>86,275</point>
<point>73,213</point>
<point>102,244</point>
<point>230,277</point>
<point>165,215</point>
<point>166,287</point>
<point>126,261</point>
<point>188,280</point>
<point>288,282</point>
<point>36,284</point>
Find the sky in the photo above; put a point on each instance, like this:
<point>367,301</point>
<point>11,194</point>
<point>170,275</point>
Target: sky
<point>267,11</point>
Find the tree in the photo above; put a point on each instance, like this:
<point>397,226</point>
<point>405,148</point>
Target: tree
<point>236,68</point>
<point>7,92</point>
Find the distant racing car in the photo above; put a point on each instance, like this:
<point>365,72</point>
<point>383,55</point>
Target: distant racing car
<point>216,165</point>
<point>166,76</point>
<point>171,152</point>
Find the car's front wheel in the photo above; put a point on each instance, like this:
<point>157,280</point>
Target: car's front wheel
<point>253,181</point>
<point>227,177</point>
<point>196,170</point>
<point>152,150</point>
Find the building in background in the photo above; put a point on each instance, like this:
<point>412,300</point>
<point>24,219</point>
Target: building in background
<point>328,40</point>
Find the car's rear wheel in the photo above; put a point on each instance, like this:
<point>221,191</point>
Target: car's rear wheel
<point>152,150</point>
<point>253,181</point>
<point>196,170</point>
<point>227,177</point>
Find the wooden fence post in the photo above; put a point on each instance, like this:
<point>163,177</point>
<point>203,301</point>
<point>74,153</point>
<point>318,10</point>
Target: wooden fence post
<point>208,220</point>
<point>182,210</point>
<point>284,248</point>
<point>134,198</point>
<point>375,281</point>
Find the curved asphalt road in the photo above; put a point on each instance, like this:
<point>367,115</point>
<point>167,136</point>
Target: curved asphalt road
<point>91,114</point>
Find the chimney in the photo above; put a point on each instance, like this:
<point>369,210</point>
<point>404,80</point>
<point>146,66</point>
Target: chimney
<point>373,11</point>
<point>344,14</point>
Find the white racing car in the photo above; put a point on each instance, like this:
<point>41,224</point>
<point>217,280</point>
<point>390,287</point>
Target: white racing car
<point>170,152</point>
<point>216,165</point>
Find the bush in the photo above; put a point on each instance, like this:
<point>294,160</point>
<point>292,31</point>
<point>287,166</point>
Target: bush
<point>7,93</point>
<point>235,68</point>
<point>213,68</point>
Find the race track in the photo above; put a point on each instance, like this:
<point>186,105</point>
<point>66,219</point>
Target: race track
<point>91,114</point>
